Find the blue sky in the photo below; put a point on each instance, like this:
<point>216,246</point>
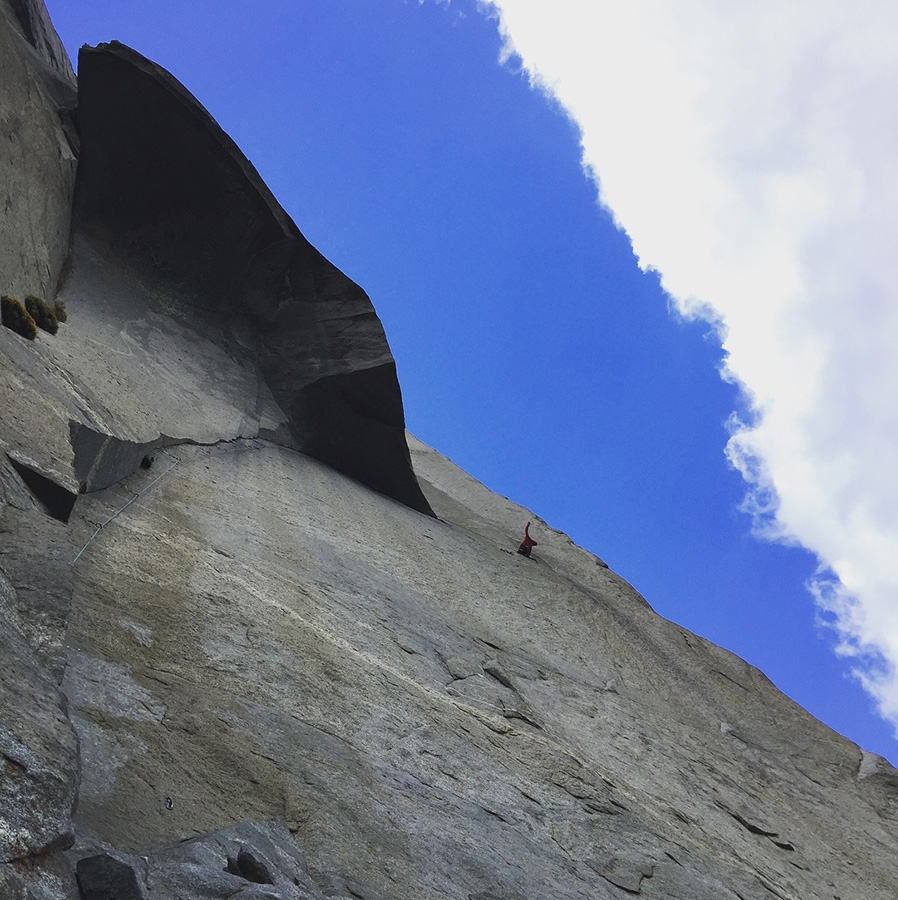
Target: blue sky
<point>532,348</point>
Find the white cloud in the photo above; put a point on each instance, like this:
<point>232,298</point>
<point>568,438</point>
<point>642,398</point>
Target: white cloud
<point>749,150</point>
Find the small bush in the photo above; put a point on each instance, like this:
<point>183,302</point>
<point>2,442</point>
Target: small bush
<point>59,309</point>
<point>42,314</point>
<point>17,318</point>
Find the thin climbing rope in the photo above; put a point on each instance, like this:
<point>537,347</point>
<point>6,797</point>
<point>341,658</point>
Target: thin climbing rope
<point>135,497</point>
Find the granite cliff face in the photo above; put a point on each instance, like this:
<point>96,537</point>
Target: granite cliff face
<point>37,156</point>
<point>179,262</point>
<point>163,192</point>
<point>243,657</point>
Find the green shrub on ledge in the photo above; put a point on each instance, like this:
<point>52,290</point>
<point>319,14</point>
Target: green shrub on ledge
<point>59,309</point>
<point>42,313</point>
<point>17,318</point>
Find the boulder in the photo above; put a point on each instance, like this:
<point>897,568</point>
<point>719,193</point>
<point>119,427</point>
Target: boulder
<point>111,876</point>
<point>246,861</point>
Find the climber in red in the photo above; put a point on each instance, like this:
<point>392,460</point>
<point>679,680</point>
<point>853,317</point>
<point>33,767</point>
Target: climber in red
<point>528,543</point>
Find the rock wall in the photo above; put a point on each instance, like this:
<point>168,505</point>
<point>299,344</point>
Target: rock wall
<point>177,249</point>
<point>431,714</point>
<point>236,667</point>
<point>39,750</point>
<point>161,186</point>
<point>165,343</point>
<point>33,21</point>
<point>37,159</point>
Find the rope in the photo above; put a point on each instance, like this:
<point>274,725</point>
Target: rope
<point>123,508</point>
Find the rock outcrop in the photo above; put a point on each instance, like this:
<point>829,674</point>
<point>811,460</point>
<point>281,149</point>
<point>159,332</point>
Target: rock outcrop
<point>236,667</point>
<point>198,310</point>
<point>163,190</point>
<point>37,159</point>
<point>248,861</point>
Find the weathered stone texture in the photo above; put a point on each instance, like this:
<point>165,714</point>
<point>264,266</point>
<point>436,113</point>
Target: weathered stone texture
<point>37,162</point>
<point>248,861</point>
<point>245,635</point>
<point>432,714</point>
<point>39,759</point>
<point>33,21</point>
<point>38,749</point>
<point>42,878</point>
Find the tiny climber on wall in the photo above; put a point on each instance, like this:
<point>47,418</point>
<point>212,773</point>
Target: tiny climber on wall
<point>528,543</point>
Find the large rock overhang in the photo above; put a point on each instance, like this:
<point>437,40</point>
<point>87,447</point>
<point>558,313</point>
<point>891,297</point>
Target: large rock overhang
<point>163,188</point>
